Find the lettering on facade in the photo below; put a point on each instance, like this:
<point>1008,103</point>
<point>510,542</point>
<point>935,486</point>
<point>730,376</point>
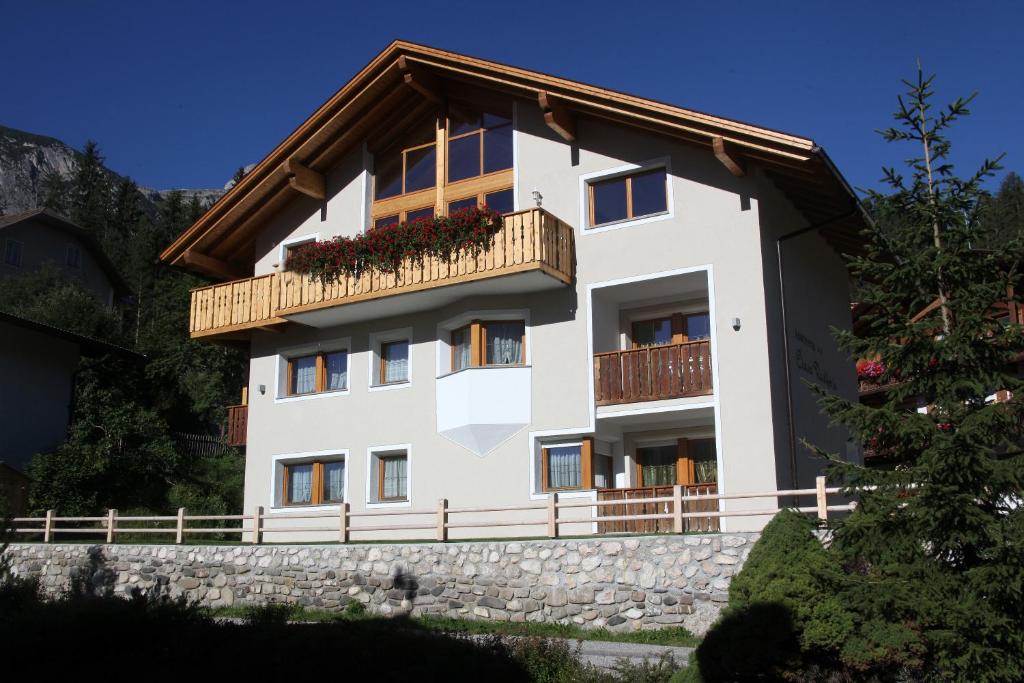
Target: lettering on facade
<point>808,360</point>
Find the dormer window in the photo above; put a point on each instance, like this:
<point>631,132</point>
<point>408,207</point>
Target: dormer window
<point>458,160</point>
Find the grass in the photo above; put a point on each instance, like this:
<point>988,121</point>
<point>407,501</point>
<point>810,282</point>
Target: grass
<point>676,636</point>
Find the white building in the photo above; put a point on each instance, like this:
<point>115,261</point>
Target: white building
<point>625,331</point>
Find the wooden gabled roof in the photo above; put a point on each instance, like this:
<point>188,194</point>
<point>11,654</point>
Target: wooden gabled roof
<point>377,98</point>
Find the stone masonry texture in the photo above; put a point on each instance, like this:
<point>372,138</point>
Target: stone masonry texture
<point>618,583</point>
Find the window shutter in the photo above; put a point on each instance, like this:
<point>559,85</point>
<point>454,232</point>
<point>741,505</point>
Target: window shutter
<point>587,463</point>
<point>684,463</point>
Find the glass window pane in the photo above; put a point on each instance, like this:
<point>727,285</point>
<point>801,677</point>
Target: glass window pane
<point>304,375</point>
<point>300,484</point>
<point>504,343</point>
<point>467,203</point>
<point>420,168</point>
<point>564,467</point>
<point>705,460</point>
<point>609,201</point>
<point>395,477</point>
<point>461,121</point>
<point>698,326</point>
<point>658,465</point>
<point>337,370</point>
<point>652,332</point>
<point>395,360</point>
<point>388,176</point>
<point>603,477</point>
<point>498,149</point>
<point>501,201</point>
<point>463,158</point>
<point>461,349</point>
<point>334,482</point>
<point>495,120</point>
<point>419,213</point>
<point>649,193</point>
<point>386,221</point>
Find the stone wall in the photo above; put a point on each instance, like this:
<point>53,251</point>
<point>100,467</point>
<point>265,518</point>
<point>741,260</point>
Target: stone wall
<point>621,583</point>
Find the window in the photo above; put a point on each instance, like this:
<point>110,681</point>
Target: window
<point>686,462</point>
<point>73,256</point>
<point>392,477</point>
<point>603,475</point>
<point>411,181</point>
<point>672,329</point>
<point>318,482</point>
<point>318,372</point>
<point>652,332</point>
<point>566,467</point>
<point>394,362</point>
<point>658,465</point>
<point>13,252</point>
<point>489,342</point>
<point>625,197</point>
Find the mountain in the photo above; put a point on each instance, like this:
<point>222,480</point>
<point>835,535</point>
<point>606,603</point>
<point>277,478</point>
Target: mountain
<point>26,158</point>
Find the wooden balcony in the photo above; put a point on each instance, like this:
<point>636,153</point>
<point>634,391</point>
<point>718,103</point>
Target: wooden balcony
<point>238,424</point>
<point>635,502</point>
<point>653,373</point>
<point>531,241</point>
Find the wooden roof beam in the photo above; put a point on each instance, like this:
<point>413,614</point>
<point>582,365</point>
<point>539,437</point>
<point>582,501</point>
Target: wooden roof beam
<point>305,180</point>
<point>558,118</point>
<point>729,156</point>
<point>212,266</point>
<point>420,81</point>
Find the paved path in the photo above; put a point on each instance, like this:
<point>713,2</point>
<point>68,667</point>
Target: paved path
<point>605,655</point>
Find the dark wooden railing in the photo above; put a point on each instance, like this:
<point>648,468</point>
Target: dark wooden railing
<point>635,503</point>
<point>238,424</point>
<point>653,373</point>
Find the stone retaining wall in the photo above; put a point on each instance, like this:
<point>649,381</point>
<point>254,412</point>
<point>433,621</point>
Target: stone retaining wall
<point>620,583</point>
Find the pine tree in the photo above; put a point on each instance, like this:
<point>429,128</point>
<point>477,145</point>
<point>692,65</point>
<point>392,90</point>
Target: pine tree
<point>1003,213</point>
<point>937,546</point>
<point>91,192</point>
<point>53,193</point>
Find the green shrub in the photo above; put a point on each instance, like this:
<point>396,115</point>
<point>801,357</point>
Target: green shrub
<point>355,609</point>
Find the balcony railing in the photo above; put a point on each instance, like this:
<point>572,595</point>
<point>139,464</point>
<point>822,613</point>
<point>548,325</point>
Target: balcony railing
<point>638,503</point>
<point>531,240</point>
<point>238,424</point>
<point>653,373</point>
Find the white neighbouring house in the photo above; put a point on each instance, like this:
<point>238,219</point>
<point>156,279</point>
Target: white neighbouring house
<point>628,330</point>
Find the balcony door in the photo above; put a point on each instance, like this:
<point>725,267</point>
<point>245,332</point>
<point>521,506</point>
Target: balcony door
<point>671,329</point>
<point>686,462</point>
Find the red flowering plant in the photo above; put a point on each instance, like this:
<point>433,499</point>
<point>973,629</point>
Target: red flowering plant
<point>384,248</point>
<point>870,369</point>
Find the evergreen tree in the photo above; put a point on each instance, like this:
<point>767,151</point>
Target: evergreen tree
<point>237,178</point>
<point>91,192</point>
<point>1003,214</point>
<point>935,547</point>
<point>53,193</point>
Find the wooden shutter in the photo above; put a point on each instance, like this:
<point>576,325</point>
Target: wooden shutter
<point>587,463</point>
<point>684,463</point>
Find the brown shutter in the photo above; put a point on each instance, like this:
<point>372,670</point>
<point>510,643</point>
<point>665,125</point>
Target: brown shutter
<point>587,463</point>
<point>684,463</point>
<point>544,469</point>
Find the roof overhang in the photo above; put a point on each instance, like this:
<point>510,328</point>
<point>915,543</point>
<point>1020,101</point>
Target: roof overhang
<point>219,239</point>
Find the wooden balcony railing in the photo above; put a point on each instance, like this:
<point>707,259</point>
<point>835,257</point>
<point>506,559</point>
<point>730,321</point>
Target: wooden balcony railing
<point>653,373</point>
<point>637,501</point>
<point>238,424</point>
<point>531,240</point>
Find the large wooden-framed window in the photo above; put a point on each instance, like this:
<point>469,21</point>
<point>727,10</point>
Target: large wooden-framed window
<point>671,329</point>
<point>686,462</point>
<point>317,373</point>
<point>568,467</point>
<point>457,158</point>
<point>318,482</point>
<point>628,196</point>
<point>488,343</point>
<point>394,362</point>
<point>392,477</point>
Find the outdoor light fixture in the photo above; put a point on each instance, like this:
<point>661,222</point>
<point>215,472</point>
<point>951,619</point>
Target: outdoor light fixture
<point>736,324</point>
<point>263,388</point>
<point>537,197</point>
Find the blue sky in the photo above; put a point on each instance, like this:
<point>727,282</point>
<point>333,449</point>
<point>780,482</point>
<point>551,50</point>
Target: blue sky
<point>179,94</point>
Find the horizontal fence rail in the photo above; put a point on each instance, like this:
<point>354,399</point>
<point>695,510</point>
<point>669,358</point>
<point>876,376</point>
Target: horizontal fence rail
<point>528,240</point>
<point>680,509</point>
<point>653,373</point>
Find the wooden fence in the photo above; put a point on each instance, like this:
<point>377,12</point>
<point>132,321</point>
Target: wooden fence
<point>340,526</point>
<point>653,373</point>
<point>639,501</point>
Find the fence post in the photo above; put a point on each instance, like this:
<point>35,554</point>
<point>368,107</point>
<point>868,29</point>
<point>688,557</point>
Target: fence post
<point>111,521</point>
<point>442,519</point>
<point>819,489</point>
<point>553,514</point>
<point>48,527</point>
<point>179,532</point>
<point>343,523</point>
<point>677,509</point>
<point>257,521</point>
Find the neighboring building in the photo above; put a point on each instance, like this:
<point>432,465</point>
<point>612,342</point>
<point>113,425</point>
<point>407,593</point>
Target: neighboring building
<point>38,363</point>
<point>35,238</point>
<point>625,331</point>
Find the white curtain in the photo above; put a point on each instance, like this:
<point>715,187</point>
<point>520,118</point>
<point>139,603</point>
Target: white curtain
<point>395,477</point>
<point>564,467</point>
<point>337,370</point>
<point>462,348</point>
<point>396,361</point>
<point>304,375</point>
<point>300,484</point>
<point>505,343</point>
<point>334,481</point>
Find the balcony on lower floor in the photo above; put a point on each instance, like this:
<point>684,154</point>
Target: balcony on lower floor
<point>533,251</point>
<point>653,373</point>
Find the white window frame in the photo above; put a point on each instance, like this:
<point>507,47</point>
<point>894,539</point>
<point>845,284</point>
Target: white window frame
<point>21,252</point>
<point>373,453</point>
<point>329,346</point>
<point>628,169</point>
<point>443,360</point>
<point>277,463</point>
<point>376,340</point>
<point>282,248</point>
